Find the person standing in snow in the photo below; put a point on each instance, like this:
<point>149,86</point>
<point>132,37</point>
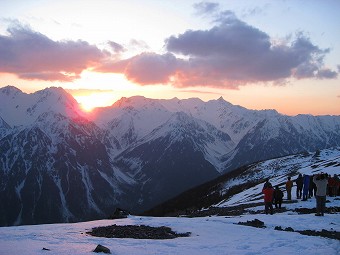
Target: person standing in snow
<point>278,195</point>
<point>333,183</point>
<point>267,184</point>
<point>312,187</point>
<point>299,185</point>
<point>321,182</point>
<point>289,185</point>
<point>337,184</point>
<point>305,187</point>
<point>268,192</point>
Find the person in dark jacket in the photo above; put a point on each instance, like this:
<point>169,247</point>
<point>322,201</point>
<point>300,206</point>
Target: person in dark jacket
<point>278,195</point>
<point>268,198</point>
<point>289,185</point>
<point>267,184</point>
<point>299,185</point>
<point>305,187</point>
<point>312,187</point>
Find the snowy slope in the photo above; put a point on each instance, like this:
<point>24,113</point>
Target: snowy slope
<point>4,127</point>
<point>204,137</point>
<point>277,170</point>
<point>244,185</point>
<point>180,154</point>
<point>130,119</point>
<point>209,235</point>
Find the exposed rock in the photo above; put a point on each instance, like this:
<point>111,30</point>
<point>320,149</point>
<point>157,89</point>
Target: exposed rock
<point>330,210</point>
<point>278,228</point>
<point>136,232</point>
<point>101,248</point>
<point>322,233</point>
<point>119,214</point>
<point>253,223</point>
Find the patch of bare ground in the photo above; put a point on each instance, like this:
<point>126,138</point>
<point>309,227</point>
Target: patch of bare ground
<point>136,232</point>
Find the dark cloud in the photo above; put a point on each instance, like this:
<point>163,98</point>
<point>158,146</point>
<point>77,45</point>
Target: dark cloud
<point>162,66</point>
<point>326,74</point>
<point>230,54</point>
<point>234,53</point>
<point>31,55</point>
<point>204,8</point>
<point>146,68</point>
<point>116,47</point>
<point>233,39</point>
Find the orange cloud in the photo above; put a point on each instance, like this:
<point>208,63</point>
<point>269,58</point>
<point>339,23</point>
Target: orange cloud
<point>33,56</point>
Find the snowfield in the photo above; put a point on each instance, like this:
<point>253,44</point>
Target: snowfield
<point>209,235</point>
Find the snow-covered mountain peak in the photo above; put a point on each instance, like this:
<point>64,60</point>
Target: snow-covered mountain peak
<point>185,105</point>
<point>184,126</point>
<point>57,92</point>
<point>180,125</point>
<point>137,102</point>
<point>18,108</point>
<point>10,90</point>
<point>56,96</point>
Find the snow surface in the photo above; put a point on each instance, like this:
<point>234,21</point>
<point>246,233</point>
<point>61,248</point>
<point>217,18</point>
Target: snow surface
<point>209,235</point>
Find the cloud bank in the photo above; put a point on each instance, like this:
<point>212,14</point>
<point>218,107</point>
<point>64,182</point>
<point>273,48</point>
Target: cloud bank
<point>31,55</point>
<point>230,54</point>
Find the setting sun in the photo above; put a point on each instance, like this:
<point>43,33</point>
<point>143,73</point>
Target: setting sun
<point>96,99</point>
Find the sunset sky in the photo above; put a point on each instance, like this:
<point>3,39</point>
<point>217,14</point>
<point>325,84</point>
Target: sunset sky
<point>282,55</point>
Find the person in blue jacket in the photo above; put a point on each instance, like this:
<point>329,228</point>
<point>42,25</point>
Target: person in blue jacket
<point>305,191</point>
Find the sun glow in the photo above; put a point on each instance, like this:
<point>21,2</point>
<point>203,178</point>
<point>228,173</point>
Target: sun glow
<point>96,99</point>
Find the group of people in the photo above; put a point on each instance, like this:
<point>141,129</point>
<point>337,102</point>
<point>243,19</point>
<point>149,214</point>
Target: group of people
<point>307,186</point>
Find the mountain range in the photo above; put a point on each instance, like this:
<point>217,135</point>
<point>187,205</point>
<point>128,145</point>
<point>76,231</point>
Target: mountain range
<point>59,164</point>
<point>223,216</point>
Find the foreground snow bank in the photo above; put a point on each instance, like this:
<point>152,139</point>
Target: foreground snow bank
<point>209,235</point>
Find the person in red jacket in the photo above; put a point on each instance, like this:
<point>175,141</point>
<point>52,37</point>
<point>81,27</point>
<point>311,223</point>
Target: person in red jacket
<point>268,198</point>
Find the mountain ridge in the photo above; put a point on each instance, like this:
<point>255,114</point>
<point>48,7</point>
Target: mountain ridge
<point>134,154</point>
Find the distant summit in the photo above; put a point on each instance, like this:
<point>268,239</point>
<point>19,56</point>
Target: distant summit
<point>19,108</point>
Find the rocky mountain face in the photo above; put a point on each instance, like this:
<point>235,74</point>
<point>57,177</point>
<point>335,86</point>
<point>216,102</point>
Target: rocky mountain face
<point>58,164</point>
